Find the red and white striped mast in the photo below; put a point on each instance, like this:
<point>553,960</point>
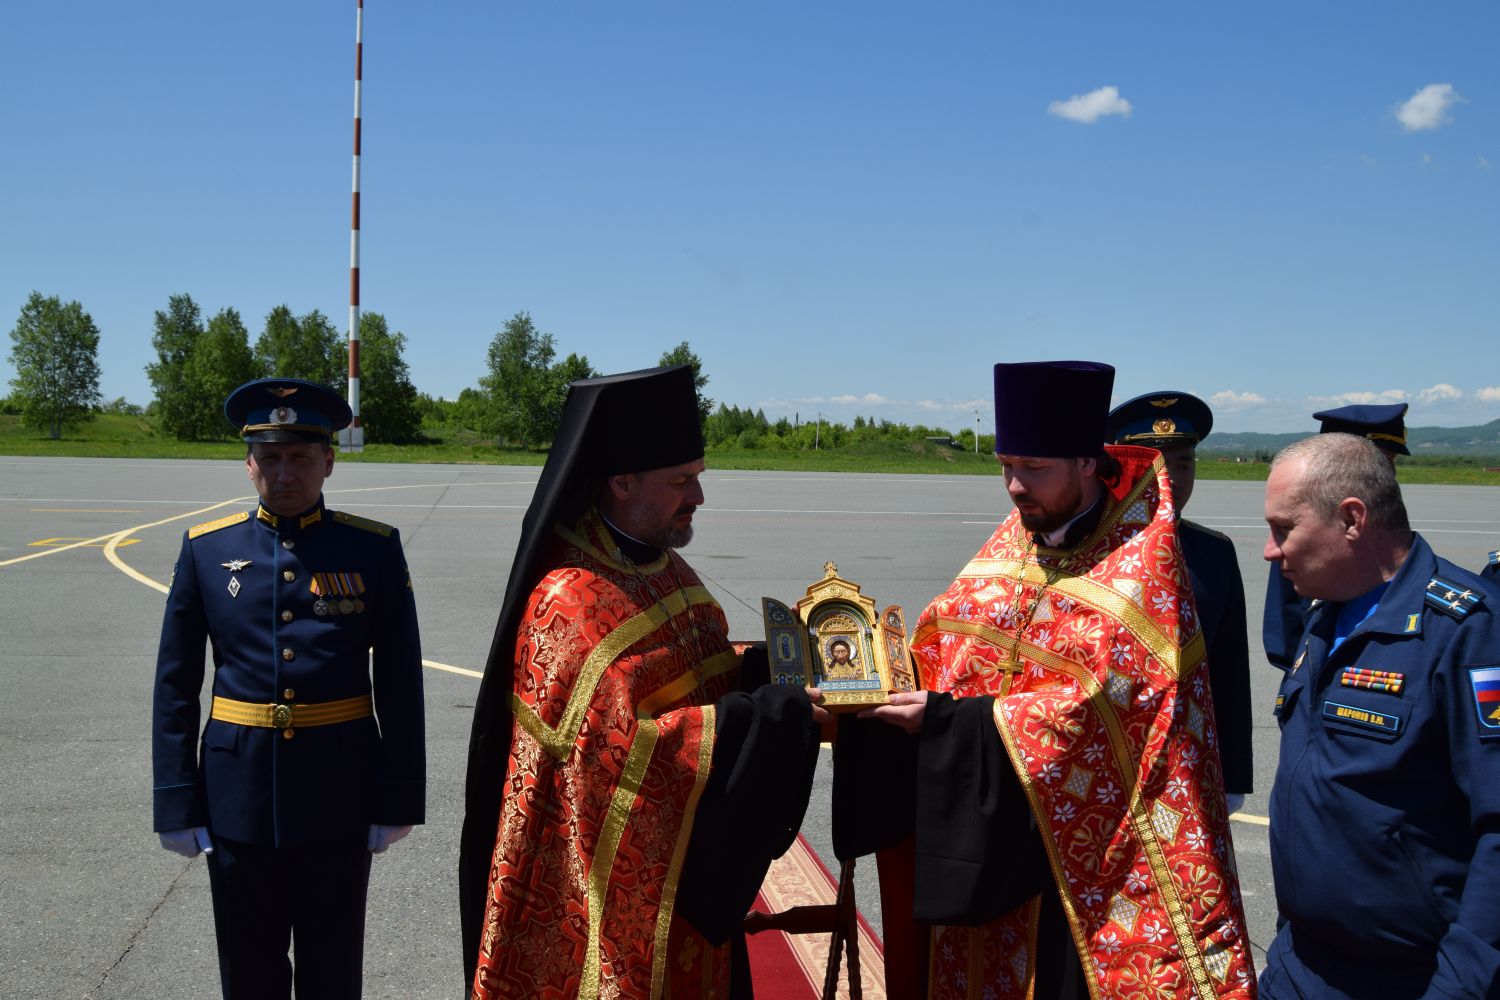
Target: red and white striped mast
<point>352,438</point>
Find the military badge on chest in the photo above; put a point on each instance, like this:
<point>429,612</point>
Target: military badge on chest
<point>338,594</point>
<point>235,566</point>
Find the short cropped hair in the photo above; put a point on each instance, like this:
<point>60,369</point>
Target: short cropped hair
<point>1339,466</point>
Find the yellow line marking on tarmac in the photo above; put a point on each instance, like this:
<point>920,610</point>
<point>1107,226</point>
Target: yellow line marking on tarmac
<point>43,543</point>
<point>82,510</point>
<point>463,671</point>
<point>109,550</point>
<point>114,541</point>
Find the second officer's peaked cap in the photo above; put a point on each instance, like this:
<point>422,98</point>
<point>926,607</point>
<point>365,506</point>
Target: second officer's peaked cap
<point>1160,419</point>
<point>1385,424</point>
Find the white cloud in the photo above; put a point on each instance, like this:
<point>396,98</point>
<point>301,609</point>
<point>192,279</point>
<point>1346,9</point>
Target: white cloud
<point>868,399</point>
<point>1490,394</point>
<point>954,406</point>
<point>1483,164</point>
<point>1089,108</point>
<point>1364,398</point>
<point>1441,391</point>
<point>1229,401</point>
<point>1428,108</point>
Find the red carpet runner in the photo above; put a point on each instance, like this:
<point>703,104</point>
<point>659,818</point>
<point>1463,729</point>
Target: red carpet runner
<point>791,966</point>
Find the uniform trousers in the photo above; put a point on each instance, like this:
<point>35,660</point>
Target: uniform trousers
<point>265,898</point>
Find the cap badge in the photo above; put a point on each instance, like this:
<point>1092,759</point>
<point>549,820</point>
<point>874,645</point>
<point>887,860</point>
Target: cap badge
<point>1164,403</point>
<point>283,415</point>
<point>1165,425</point>
<point>281,391</point>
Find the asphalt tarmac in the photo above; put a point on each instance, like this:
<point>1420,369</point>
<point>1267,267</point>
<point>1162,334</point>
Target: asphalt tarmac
<point>93,907</point>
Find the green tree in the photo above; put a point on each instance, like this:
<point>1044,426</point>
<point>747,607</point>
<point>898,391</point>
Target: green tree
<point>518,387</point>
<point>682,354</point>
<point>219,362</point>
<point>306,347</point>
<point>567,371</point>
<point>387,400</point>
<point>176,334</point>
<point>55,351</point>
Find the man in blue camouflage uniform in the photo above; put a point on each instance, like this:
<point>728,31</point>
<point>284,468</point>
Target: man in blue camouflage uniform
<point>1285,614</point>
<point>312,757</point>
<point>1174,423</point>
<point>1385,813</point>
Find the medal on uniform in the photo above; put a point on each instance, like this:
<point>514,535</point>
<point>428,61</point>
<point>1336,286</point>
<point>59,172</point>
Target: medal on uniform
<point>234,586</point>
<point>338,593</point>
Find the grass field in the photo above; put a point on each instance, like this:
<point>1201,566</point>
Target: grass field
<point>114,436</point>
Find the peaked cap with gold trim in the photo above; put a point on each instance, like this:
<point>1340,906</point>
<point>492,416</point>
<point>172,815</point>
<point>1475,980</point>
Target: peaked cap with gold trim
<point>1159,419</point>
<point>1385,424</point>
<point>286,409</point>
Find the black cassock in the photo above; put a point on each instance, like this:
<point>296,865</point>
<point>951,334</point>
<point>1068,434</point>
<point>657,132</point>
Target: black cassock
<point>978,853</point>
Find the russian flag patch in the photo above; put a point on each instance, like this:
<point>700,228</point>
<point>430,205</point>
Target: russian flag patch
<point>1485,682</point>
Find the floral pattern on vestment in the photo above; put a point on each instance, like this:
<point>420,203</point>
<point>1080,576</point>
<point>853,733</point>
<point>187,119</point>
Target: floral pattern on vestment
<point>1108,721</point>
<point>616,670</point>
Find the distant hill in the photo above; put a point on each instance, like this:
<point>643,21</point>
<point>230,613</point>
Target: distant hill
<point>1483,440</point>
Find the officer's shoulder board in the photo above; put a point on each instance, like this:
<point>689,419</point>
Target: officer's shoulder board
<point>355,521</point>
<point>1494,558</point>
<point>222,522</point>
<point>1453,599</point>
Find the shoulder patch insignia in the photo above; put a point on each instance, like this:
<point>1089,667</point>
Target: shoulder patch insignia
<point>1452,599</point>
<point>1485,683</point>
<point>355,521</point>
<point>222,522</point>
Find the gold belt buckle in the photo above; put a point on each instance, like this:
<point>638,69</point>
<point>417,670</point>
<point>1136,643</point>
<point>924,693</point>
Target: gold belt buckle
<point>281,716</point>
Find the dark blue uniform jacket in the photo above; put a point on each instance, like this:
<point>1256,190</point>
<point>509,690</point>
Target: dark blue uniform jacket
<point>1219,594</point>
<point>1385,814</point>
<point>324,783</point>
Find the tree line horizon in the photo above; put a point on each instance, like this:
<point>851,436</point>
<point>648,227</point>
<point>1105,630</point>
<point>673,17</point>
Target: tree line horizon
<point>517,401</point>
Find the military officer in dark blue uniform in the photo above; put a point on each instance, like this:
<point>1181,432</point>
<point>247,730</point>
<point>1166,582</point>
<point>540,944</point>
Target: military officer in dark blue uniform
<point>312,756</point>
<point>1285,613</point>
<point>1173,423</point>
<point>1385,813</point>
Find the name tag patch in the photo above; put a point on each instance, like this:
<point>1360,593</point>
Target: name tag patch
<point>1362,718</point>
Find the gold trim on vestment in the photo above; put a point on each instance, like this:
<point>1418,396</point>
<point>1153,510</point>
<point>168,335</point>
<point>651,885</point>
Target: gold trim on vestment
<point>685,684</point>
<point>1176,659</point>
<point>593,548</point>
<point>621,804</point>
<point>1187,943</point>
<point>674,871</point>
<point>559,741</point>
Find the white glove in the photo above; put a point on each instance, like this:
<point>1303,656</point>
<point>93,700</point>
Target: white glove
<point>382,837</point>
<point>1234,800</point>
<point>187,842</point>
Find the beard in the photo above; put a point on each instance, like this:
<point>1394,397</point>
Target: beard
<point>1050,516</point>
<point>669,536</point>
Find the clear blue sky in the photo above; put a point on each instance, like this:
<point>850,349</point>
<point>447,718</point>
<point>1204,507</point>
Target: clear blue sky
<point>843,207</point>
